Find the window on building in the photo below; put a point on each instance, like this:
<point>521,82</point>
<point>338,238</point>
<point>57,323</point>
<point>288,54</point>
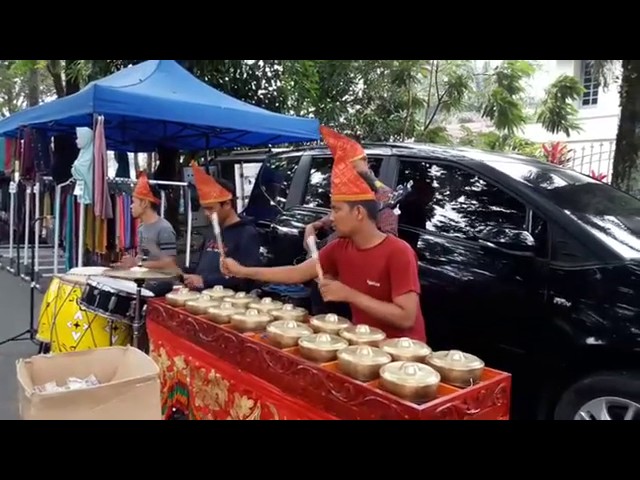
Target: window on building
<point>590,84</point>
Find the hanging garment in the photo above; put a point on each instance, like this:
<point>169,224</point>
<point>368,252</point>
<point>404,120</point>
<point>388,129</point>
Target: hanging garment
<point>121,224</point>
<point>27,165</point>
<point>40,152</point>
<point>47,210</point>
<point>82,169</point>
<point>102,244</point>
<point>3,153</point>
<point>90,229</point>
<point>9,150</point>
<point>114,230</point>
<point>65,152</point>
<point>127,223</point>
<point>123,170</point>
<point>102,201</point>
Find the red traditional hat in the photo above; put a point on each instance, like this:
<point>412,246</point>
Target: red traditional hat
<point>143,189</point>
<point>346,183</point>
<point>209,191</point>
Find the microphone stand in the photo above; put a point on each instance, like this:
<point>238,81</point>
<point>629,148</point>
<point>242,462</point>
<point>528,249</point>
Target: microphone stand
<point>30,333</point>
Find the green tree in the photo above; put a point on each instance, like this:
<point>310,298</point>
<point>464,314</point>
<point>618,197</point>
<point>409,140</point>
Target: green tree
<point>558,112</point>
<point>626,159</point>
<point>505,102</point>
<point>373,100</point>
<point>22,85</point>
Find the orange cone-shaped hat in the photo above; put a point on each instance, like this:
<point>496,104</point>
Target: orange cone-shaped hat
<point>143,189</point>
<point>346,183</point>
<point>209,191</point>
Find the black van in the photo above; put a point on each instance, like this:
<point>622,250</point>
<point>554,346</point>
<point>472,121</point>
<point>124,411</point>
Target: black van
<point>532,267</point>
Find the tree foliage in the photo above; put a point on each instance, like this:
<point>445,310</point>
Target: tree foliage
<point>372,100</point>
<point>22,83</point>
<point>504,104</point>
<point>558,112</point>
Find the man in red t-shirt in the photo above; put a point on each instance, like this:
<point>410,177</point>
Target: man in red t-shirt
<point>375,273</point>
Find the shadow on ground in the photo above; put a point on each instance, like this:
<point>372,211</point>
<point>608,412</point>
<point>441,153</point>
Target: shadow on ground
<point>14,318</point>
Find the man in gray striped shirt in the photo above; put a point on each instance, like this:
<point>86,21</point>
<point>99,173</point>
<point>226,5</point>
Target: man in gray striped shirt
<point>156,236</point>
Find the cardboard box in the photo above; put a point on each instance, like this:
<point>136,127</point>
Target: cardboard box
<point>129,386</point>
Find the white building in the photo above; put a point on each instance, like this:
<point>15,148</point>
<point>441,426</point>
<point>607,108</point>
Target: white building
<point>599,113</point>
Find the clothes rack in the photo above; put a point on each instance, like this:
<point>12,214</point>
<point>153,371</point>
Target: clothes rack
<point>57,217</point>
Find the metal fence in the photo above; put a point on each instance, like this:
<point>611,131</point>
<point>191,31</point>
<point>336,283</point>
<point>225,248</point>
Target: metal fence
<point>595,156</point>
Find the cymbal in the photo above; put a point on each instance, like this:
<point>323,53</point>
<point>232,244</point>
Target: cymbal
<point>139,273</point>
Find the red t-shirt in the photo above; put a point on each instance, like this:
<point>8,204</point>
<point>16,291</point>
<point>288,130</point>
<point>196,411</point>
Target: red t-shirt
<point>384,272</point>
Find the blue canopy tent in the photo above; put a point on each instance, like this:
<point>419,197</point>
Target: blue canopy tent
<point>158,102</point>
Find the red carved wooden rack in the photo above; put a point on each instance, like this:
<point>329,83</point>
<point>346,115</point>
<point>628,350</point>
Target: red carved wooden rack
<point>323,385</point>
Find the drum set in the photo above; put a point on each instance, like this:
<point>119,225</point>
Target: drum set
<point>94,307</point>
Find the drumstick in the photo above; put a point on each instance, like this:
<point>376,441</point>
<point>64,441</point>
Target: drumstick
<point>313,250</point>
<point>217,232</point>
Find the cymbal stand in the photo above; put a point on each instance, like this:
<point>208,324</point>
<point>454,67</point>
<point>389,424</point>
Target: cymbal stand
<point>30,333</point>
<point>137,320</point>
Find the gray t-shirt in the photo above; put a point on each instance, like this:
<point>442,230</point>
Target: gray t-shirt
<point>157,240</point>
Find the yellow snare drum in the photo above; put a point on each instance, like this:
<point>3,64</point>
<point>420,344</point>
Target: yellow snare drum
<point>55,297</point>
<point>48,311</point>
<point>70,327</point>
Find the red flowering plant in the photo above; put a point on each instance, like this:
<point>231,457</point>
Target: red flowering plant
<point>598,176</point>
<point>557,153</point>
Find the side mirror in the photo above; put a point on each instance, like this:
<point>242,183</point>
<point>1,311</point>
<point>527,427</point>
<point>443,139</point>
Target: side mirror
<point>516,242</point>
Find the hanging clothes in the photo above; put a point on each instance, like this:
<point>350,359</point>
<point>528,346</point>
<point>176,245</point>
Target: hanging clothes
<point>116,229</point>
<point>82,169</point>
<point>27,164</point>
<point>90,228</point>
<point>124,224</point>
<point>127,223</point>
<point>102,237</point>
<point>116,224</point>
<point>65,152</point>
<point>40,151</point>
<point>9,149</point>
<point>96,232</point>
<point>123,170</point>
<point>3,153</point>
<point>16,154</point>
<point>102,201</point>
<point>47,210</point>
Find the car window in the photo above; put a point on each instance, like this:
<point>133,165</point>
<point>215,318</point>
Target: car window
<point>454,202</point>
<point>272,187</point>
<point>318,193</point>
<point>607,213</point>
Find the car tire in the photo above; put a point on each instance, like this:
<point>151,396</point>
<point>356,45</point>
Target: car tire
<point>604,396</point>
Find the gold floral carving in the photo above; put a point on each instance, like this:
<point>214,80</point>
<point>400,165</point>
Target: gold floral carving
<point>244,408</point>
<point>171,369</point>
<point>211,390</point>
<point>274,412</point>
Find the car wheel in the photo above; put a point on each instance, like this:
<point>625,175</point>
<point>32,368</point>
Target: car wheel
<point>607,396</point>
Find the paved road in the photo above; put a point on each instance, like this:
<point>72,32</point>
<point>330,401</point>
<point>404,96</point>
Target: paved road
<point>14,318</point>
